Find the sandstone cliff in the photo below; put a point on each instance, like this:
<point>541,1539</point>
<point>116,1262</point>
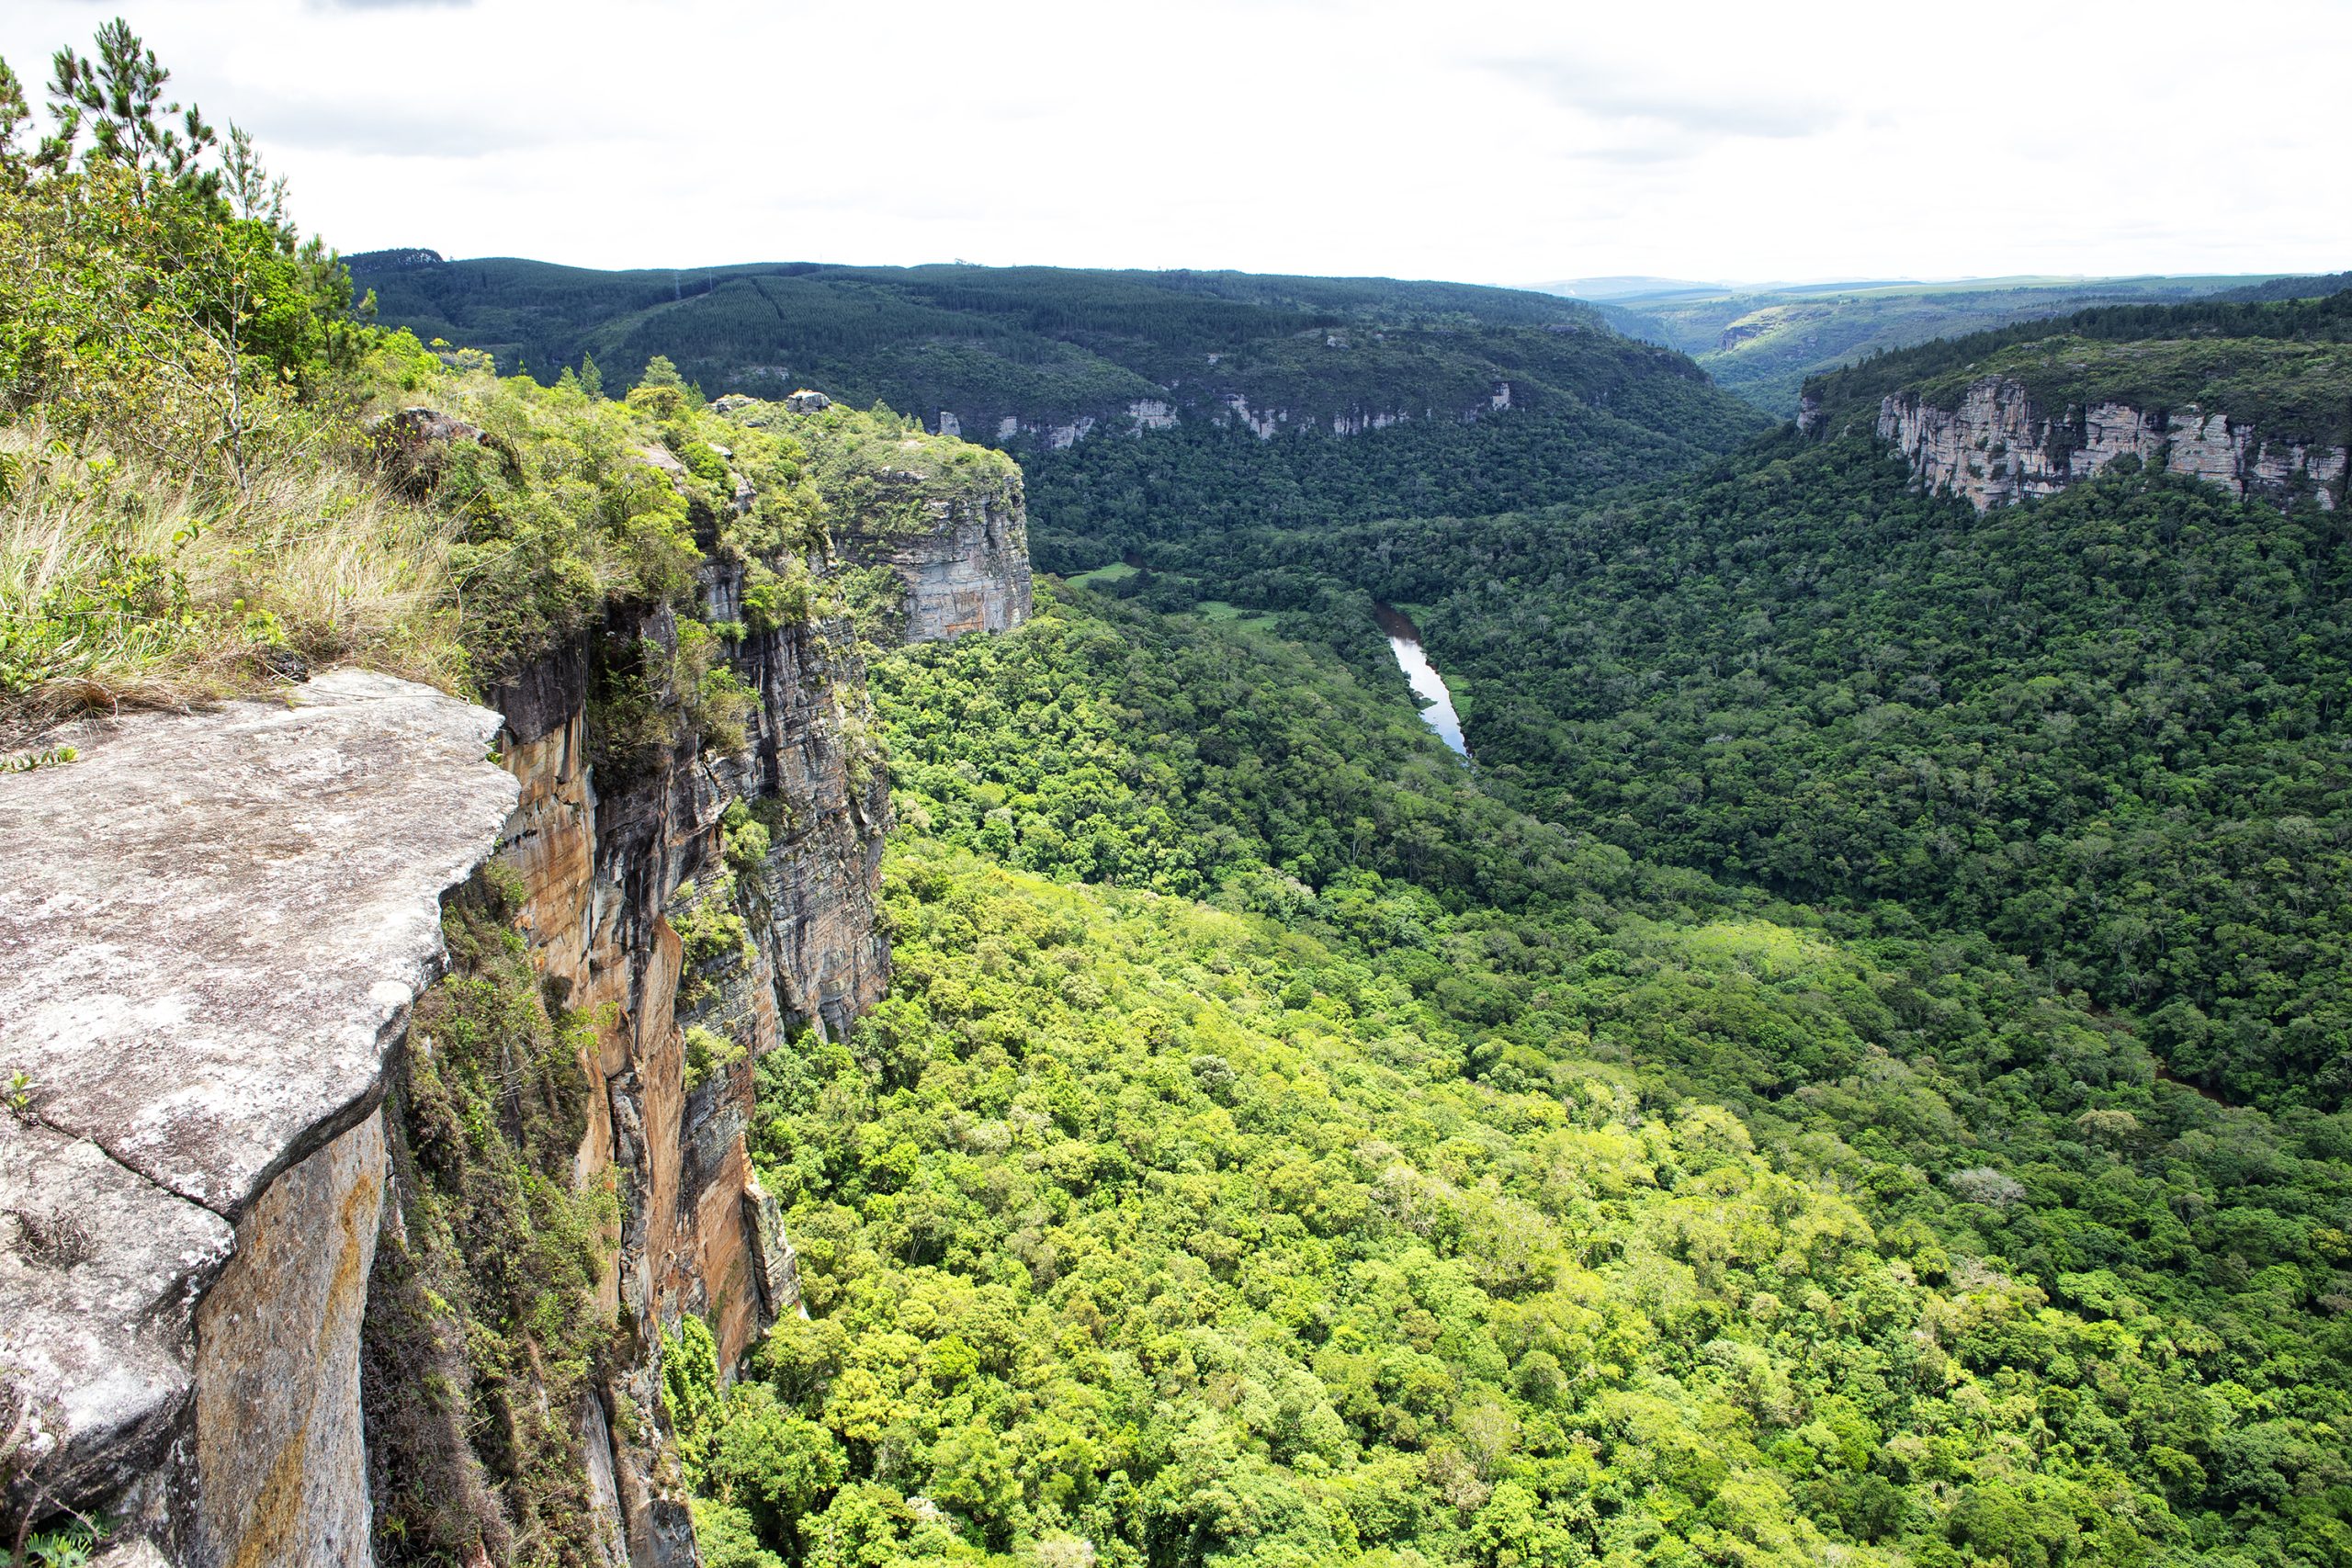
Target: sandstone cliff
<point>620,876</point>
<point>264,1175</point>
<point>211,937</point>
<point>1999,445</point>
<point>948,519</point>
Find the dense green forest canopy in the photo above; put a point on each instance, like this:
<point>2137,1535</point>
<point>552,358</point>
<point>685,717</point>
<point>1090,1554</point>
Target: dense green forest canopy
<point>1176,493</point>
<point>1277,1150</point>
<point>2103,728</point>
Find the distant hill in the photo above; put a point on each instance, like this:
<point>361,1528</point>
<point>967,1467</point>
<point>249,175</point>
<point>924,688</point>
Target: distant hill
<point>1045,349</point>
<point>1291,398</point>
<point>1606,289</point>
<point>1760,345</point>
<point>2293,288</point>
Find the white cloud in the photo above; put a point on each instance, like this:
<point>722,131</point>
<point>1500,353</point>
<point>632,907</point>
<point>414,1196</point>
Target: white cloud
<point>1478,140</point>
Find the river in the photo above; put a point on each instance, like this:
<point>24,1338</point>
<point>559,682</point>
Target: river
<point>1429,687</point>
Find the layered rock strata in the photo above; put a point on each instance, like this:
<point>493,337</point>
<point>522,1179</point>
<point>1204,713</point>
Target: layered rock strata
<point>1999,446</point>
<point>612,863</point>
<point>965,561</point>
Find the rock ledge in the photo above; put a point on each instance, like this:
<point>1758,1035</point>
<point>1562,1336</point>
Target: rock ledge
<point>212,929</point>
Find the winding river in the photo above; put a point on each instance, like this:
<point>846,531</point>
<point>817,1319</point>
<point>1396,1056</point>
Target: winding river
<point>1429,687</point>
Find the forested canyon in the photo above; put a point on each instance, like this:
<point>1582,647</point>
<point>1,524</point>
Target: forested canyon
<point>798,916</point>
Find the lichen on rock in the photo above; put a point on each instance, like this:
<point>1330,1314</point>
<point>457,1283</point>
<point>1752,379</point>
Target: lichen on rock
<point>213,930</point>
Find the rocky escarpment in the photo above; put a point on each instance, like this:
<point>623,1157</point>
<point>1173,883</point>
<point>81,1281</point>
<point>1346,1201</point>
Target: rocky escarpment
<point>211,936</point>
<point>692,907</point>
<point>2000,444</point>
<point>212,972</point>
<point>250,1205</point>
<point>962,559</point>
<point>955,529</point>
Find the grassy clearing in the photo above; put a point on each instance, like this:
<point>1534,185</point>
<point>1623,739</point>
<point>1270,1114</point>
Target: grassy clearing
<point>1232,615</point>
<point>1103,576</point>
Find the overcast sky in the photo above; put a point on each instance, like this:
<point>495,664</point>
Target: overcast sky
<point>1450,138</point>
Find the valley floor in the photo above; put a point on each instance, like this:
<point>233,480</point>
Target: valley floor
<point>1275,1150</point>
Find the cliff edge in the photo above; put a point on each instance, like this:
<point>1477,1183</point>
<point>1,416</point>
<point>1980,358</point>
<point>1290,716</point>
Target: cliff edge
<point>211,934</point>
<point>379,1064</point>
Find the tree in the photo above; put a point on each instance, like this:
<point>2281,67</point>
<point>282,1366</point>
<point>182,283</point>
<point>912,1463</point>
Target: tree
<point>765,1459</point>
<point>119,103</point>
<point>16,120</point>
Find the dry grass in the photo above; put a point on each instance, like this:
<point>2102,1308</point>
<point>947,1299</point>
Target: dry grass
<point>123,585</point>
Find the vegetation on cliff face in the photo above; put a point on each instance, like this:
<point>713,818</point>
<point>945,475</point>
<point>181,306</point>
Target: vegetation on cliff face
<point>1450,1188</point>
<point>484,1329</point>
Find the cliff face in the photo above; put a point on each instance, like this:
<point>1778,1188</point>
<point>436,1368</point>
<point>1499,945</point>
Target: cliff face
<point>243,1200</point>
<point>1999,446</point>
<point>622,876</point>
<point>964,560</point>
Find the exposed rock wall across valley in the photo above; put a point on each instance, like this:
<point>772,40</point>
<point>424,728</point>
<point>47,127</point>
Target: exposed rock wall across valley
<point>213,941</point>
<point>1999,445</point>
<point>1228,409</point>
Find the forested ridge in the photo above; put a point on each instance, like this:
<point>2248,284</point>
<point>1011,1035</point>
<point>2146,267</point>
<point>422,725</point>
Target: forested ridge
<point>1043,343</point>
<point>2277,361</point>
<point>1181,494</point>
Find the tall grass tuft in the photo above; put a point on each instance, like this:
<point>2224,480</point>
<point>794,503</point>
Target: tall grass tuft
<point>122,585</point>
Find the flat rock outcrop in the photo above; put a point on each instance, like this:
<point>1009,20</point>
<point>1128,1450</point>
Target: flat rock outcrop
<point>210,937</point>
